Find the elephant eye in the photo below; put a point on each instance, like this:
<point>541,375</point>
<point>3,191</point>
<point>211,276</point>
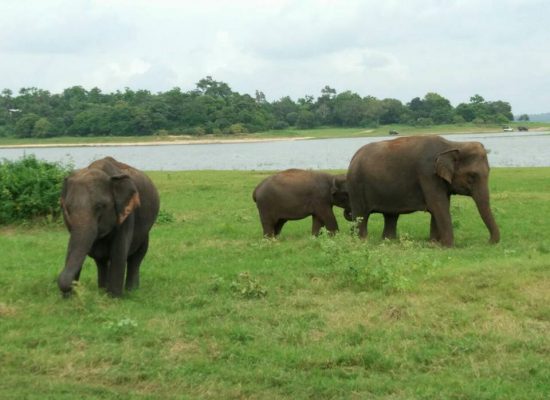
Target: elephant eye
<point>472,177</point>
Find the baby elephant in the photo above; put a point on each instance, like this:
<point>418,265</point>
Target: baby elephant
<point>295,194</point>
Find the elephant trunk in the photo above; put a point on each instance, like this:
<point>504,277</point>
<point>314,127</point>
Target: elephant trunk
<point>80,243</point>
<point>481,198</point>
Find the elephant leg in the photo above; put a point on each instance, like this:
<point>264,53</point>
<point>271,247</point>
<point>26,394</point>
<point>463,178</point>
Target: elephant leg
<point>268,226</point>
<point>279,226</point>
<point>440,209</point>
<point>119,259</point>
<point>328,219</point>
<point>134,261</point>
<point>102,271</point>
<point>434,232</point>
<point>362,226</point>
<point>438,204</point>
<point>316,225</point>
<point>115,279</point>
<point>390,226</point>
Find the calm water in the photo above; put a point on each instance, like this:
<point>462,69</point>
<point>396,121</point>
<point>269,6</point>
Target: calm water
<point>505,150</point>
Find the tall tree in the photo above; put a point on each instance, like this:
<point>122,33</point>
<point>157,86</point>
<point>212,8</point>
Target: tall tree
<point>210,87</point>
<point>349,109</point>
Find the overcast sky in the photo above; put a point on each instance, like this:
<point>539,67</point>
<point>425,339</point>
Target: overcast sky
<point>384,48</point>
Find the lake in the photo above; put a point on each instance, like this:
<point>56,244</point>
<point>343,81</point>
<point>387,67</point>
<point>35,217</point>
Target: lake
<point>510,149</point>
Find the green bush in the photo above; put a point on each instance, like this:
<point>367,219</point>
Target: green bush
<point>248,287</point>
<point>29,188</point>
<point>280,125</point>
<point>361,267</point>
<point>236,129</point>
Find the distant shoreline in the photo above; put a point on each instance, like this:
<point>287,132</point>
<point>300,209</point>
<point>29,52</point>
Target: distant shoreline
<point>310,134</point>
<point>154,143</point>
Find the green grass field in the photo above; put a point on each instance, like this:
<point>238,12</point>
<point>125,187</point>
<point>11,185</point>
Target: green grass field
<point>225,314</point>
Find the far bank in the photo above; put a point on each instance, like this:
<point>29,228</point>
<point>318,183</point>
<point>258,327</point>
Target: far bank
<point>318,133</point>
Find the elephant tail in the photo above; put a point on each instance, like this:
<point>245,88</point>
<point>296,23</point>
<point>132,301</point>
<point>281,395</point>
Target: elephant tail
<point>254,195</point>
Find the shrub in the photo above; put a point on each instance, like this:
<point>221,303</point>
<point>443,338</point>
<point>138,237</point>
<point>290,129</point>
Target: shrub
<point>25,125</point>
<point>236,129</point>
<point>280,125</point>
<point>4,131</point>
<point>424,122</point>
<point>247,287</point>
<point>358,266</point>
<point>458,119</point>
<point>42,128</point>
<point>195,131</point>
<point>29,188</point>
<point>161,133</point>
<point>306,120</point>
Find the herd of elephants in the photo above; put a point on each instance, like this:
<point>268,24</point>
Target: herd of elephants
<point>109,207</point>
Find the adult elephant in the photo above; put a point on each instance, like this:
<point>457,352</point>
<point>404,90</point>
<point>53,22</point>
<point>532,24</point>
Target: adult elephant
<point>109,209</point>
<point>419,173</point>
<point>296,194</point>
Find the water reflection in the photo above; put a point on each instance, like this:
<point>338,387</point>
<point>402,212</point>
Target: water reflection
<point>505,150</point>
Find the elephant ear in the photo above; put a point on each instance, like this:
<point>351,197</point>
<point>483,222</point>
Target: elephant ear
<point>445,164</point>
<point>125,195</point>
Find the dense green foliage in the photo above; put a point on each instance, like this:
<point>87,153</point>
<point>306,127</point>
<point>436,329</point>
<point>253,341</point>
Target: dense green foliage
<point>29,188</point>
<point>224,314</point>
<point>214,108</point>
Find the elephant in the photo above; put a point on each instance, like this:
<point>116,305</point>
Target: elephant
<point>295,194</point>
<point>109,209</point>
<point>419,173</point>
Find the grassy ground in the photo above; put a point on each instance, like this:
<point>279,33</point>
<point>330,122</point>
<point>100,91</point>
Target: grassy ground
<point>225,314</point>
<point>318,133</point>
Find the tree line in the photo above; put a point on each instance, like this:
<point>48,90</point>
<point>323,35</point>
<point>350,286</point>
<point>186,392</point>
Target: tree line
<point>214,108</point>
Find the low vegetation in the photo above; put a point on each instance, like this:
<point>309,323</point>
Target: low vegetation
<point>225,314</point>
<point>29,188</point>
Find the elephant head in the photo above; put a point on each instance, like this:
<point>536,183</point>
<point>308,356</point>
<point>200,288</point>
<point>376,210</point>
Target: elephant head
<point>466,170</point>
<point>95,203</point>
<point>340,196</point>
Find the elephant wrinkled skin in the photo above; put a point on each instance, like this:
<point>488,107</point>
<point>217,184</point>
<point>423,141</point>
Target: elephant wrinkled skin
<point>419,173</point>
<point>296,194</point>
<point>109,209</point>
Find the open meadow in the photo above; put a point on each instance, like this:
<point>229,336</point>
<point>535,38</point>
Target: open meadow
<point>224,314</point>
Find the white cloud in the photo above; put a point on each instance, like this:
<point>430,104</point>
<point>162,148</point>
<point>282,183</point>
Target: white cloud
<point>283,47</point>
<point>57,27</point>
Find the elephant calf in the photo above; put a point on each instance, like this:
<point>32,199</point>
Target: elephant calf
<point>296,194</point>
<point>108,208</point>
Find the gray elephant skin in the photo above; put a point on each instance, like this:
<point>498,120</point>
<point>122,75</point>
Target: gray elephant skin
<point>109,209</point>
<point>419,173</point>
<point>296,194</point>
